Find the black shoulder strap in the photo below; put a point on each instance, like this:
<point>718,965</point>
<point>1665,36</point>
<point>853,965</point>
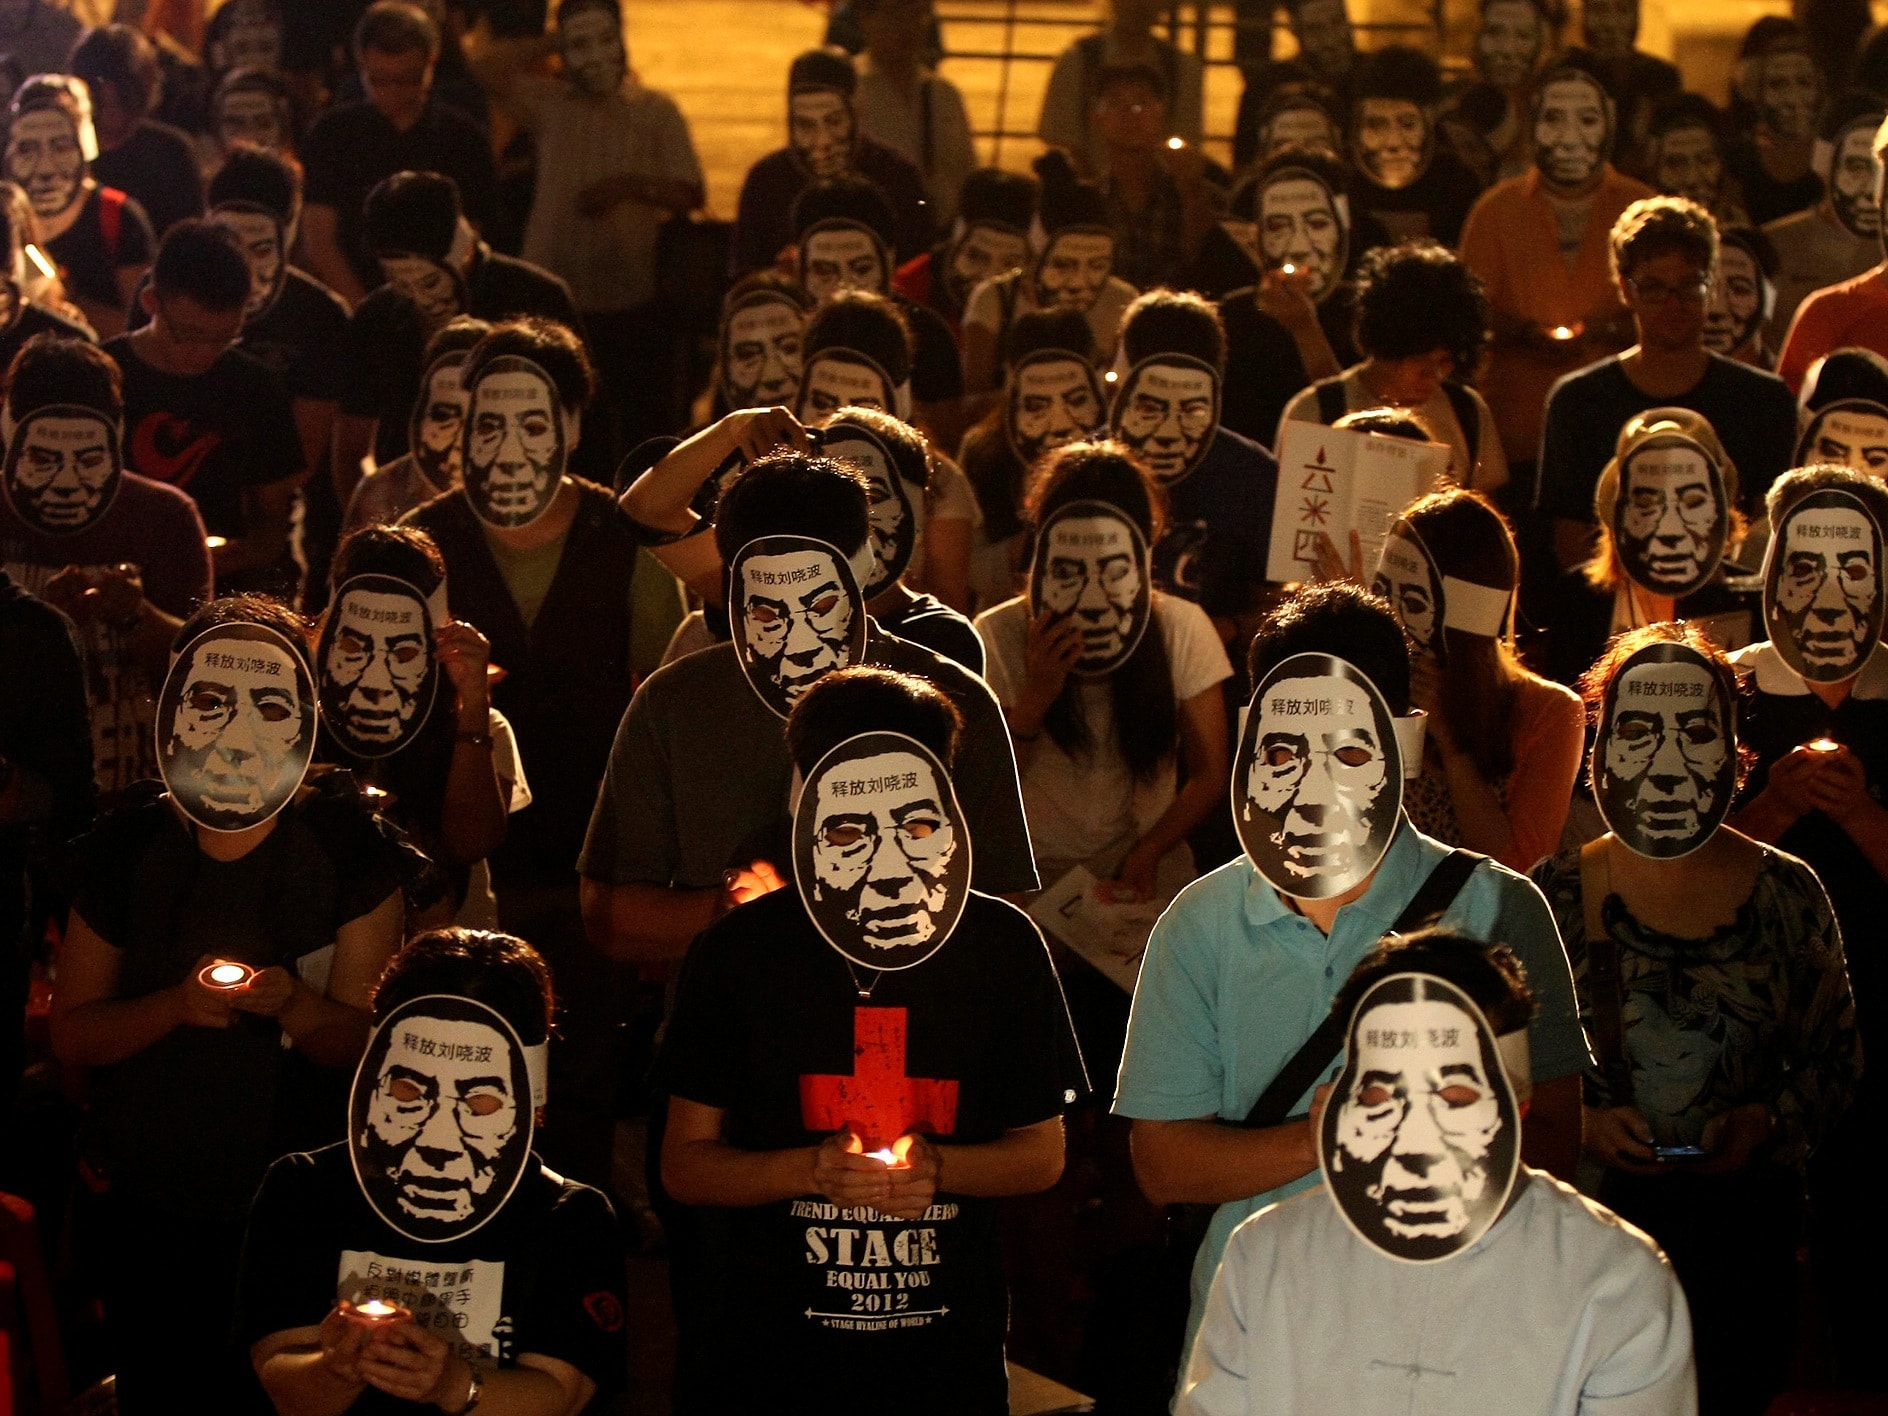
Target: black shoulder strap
<point>1469,417</point>
<point>1606,1023</point>
<point>1331,400</point>
<point>1434,896</point>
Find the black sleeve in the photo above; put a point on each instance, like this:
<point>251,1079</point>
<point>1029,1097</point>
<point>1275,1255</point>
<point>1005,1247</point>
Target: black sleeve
<point>937,374</point>
<point>182,184</point>
<point>1037,1071</point>
<point>288,1274</point>
<point>136,245</point>
<point>372,858</point>
<point>323,183</point>
<point>696,1061</point>
<point>1564,488</point>
<point>476,173</point>
<point>275,443</point>
<point>384,345</point>
<point>318,371</point>
<point>45,720</point>
<point>576,1311</point>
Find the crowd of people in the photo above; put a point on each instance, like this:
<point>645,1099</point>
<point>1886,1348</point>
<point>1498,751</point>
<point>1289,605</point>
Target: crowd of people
<point>1255,787</point>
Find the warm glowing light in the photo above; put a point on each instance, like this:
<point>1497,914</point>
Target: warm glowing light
<point>1111,376</point>
<point>1824,745</point>
<point>1289,268</point>
<point>378,1310</point>
<point>888,1156</point>
<point>216,543</point>
<point>1176,143</point>
<point>38,258</point>
<point>1562,332</point>
<point>225,975</point>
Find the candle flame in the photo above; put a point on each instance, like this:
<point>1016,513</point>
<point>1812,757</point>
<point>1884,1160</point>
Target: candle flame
<point>1289,268</point>
<point>216,543</point>
<point>888,1156</point>
<point>378,1310</point>
<point>1824,744</point>
<point>1562,332</point>
<point>1176,143</point>
<point>226,975</point>
<point>1111,376</point>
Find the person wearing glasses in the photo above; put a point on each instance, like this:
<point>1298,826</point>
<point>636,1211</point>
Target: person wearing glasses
<point>1664,260</point>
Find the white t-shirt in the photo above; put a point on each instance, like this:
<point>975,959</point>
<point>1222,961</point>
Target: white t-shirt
<point>479,910</point>
<point>1490,464</point>
<point>1078,806</point>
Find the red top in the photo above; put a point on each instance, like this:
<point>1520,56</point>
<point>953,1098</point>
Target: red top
<point>1853,314</point>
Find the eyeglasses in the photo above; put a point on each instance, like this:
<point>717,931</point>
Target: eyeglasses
<point>1692,292</point>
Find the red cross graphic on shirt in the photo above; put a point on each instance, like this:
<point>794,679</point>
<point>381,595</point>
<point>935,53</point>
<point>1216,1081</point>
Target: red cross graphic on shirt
<point>878,1103</point>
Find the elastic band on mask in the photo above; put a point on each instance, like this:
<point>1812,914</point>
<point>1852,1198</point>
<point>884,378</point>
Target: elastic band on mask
<point>1822,158</point>
<point>464,241</point>
<point>436,607</point>
<point>864,564</point>
<point>1410,733</point>
<point>1475,609</point>
<point>1516,1063</point>
<point>901,401</point>
<point>537,1066</point>
<point>1340,203</point>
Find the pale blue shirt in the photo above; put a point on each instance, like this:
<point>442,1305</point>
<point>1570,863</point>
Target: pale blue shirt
<point>1234,981</point>
<point>1561,1308</point>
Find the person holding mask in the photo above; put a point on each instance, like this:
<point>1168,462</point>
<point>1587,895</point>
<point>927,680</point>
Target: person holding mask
<point>1502,745</point>
<point>294,887</point>
<point>1777,91</point>
<point>1840,237</point>
<point>1712,982</point>
<point>1412,184</point>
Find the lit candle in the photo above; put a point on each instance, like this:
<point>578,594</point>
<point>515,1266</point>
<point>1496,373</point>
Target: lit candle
<point>1824,745</point>
<point>1176,143</point>
<point>216,543</point>
<point>888,1156</point>
<point>1111,376</point>
<point>1562,332</point>
<point>1289,268</point>
<point>225,975</point>
<point>378,1310</point>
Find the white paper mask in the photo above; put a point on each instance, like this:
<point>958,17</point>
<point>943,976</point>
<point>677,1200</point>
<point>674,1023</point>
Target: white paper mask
<point>1407,577</point>
<point>435,287</point>
<point>1852,432</point>
<point>1788,91</point>
<point>436,429</point>
<point>795,614</point>
<point>591,44</point>
<point>1317,786</point>
<point>1421,1140</point>
<point>1672,516</point>
<point>1167,410</point>
<point>440,1119</point>
<point>837,254</point>
<point>259,232</point>
<point>1509,42</point>
<point>46,157</point>
<point>235,726</point>
<point>515,448</point>
<point>1665,759</point>
<point>1686,162</point>
<point>1822,586</point>
<point>838,378</point>
<point>761,360</point>
<point>63,468</point>
<point>881,854</point>
<point>251,38</point>
<point>1303,224</point>
<point>1054,398</point>
<point>896,517</point>
<point>251,116</point>
<point>1306,126</point>
<point>1852,176</point>
<point>1091,563</point>
<point>1074,268</point>
<point>1741,297</point>
<point>377,665</point>
<point>985,251</point>
<point>1573,128</point>
<point>1393,140</point>
<point>821,129</point>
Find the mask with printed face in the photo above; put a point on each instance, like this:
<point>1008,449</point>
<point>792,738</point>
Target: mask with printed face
<point>881,855</point>
<point>987,250</point>
<point>435,287</point>
<point>1392,140</point>
<point>761,359</point>
<point>1322,28</point>
<point>1074,268</point>
<point>1740,298</point>
<point>377,665</point>
<point>436,429</point>
<point>45,157</point>
<point>837,378</point>
<point>1854,177</point>
<point>1850,433</point>
<point>1665,760</point>
<point>1788,92</point>
<point>591,44</point>
<point>1168,411</point>
<point>1303,224</point>
<point>440,1120</point>
<point>1822,586</point>
<point>1306,125</point>
<point>235,726</point>
<point>1687,162</point>
<point>259,232</point>
<point>795,614</point>
<point>1672,516</point>
<point>1407,577</point>
<point>515,443</point>
<point>1091,565</point>
<point>1054,398</point>
<point>1509,42</point>
<point>63,468</point>
<point>837,254</point>
<point>897,509</point>
<point>1420,1142</point>
<point>821,129</point>
<point>1611,27</point>
<point>1573,129</point>
<point>251,38</point>
<point>1317,786</point>
<point>251,116</point>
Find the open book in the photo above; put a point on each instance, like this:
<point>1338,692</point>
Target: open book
<point>1333,481</point>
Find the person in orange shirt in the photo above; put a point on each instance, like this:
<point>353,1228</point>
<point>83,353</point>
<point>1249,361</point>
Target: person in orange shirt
<point>1539,243</point>
<point>1851,313</point>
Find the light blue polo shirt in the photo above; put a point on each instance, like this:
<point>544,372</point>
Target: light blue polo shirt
<point>1234,981</point>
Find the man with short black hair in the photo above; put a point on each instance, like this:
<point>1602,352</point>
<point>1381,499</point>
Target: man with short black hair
<point>203,416</point>
<point>401,127</point>
<point>1127,38</point>
<point>151,162</point>
<point>1664,254</point>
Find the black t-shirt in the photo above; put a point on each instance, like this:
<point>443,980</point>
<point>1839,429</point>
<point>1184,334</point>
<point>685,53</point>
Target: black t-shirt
<point>809,1295</point>
<point>544,1276</point>
<point>302,337</point>
<point>214,436</point>
<point>384,348</point>
<point>111,232</point>
<point>1219,527</point>
<point>1434,205</point>
<point>34,319</point>
<point>1751,411</point>
<point>1264,371</point>
<point>350,149</point>
<point>937,371</point>
<point>157,168</point>
<point>927,620</point>
<point>1765,198</point>
<point>186,1125</point>
<point>762,225</point>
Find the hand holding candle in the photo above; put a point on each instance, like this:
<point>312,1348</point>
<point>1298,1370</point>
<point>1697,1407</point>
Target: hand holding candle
<point>847,1176</point>
<point>913,1177</point>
